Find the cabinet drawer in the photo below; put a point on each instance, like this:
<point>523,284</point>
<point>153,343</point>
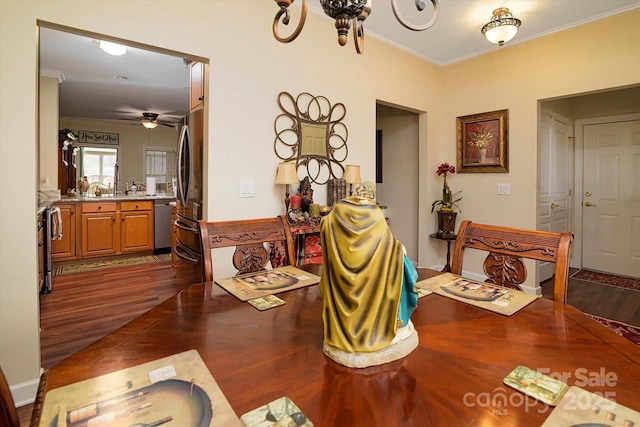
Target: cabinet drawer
<point>136,205</point>
<point>99,207</point>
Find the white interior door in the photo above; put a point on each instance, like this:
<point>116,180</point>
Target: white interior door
<point>556,152</point>
<point>611,197</point>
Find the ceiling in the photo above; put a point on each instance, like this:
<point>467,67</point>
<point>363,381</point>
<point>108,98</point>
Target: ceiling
<point>93,83</point>
<point>93,87</point>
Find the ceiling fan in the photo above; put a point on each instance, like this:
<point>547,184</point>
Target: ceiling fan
<point>150,121</point>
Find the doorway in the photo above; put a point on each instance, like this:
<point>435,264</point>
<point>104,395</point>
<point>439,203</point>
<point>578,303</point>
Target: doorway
<point>587,110</point>
<point>99,161</point>
<point>398,172</point>
<point>610,196</point>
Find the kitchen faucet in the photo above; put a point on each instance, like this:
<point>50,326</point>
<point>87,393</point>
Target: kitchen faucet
<point>115,179</point>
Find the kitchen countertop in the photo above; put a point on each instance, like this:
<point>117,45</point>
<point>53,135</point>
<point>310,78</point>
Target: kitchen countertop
<point>45,203</point>
<point>119,197</point>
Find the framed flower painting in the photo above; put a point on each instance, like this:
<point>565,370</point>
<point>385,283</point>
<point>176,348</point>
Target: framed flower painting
<point>482,142</point>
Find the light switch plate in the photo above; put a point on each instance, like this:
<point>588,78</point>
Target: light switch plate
<point>246,189</point>
<point>504,189</point>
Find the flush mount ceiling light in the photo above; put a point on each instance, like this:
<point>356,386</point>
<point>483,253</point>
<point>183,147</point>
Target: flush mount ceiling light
<point>347,13</point>
<point>149,120</point>
<point>114,49</point>
<point>502,27</point>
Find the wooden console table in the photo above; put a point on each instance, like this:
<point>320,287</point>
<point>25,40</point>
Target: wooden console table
<point>306,239</point>
<point>447,238</point>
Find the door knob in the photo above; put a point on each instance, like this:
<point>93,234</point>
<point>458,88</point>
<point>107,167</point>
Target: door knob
<point>588,204</point>
<point>588,193</point>
<point>554,205</point>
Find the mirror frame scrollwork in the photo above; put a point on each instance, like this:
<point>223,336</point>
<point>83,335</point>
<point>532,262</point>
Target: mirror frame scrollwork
<point>310,132</point>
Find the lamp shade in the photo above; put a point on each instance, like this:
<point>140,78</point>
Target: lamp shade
<point>287,173</point>
<point>352,174</point>
<point>502,27</point>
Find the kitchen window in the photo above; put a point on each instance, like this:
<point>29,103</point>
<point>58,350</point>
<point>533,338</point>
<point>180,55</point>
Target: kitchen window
<point>98,164</point>
<point>160,163</point>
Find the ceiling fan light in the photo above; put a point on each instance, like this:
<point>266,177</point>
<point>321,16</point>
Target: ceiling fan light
<point>502,27</point>
<point>149,124</point>
<point>114,49</point>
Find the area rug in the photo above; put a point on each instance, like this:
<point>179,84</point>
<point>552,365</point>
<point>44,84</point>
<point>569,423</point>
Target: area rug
<point>632,333</point>
<point>607,279</point>
<point>105,264</point>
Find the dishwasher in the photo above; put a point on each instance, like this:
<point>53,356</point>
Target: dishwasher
<point>162,226</point>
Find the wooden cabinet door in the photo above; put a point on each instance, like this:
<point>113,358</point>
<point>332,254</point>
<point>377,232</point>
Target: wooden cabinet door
<point>100,233</point>
<point>136,230</point>
<point>197,85</point>
<point>65,248</point>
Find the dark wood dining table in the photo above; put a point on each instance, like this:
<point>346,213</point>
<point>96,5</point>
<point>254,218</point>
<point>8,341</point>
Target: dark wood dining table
<point>454,377</point>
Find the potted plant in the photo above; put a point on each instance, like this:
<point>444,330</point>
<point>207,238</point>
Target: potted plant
<point>449,201</point>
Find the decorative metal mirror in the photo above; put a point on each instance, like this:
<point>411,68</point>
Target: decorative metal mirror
<point>310,132</point>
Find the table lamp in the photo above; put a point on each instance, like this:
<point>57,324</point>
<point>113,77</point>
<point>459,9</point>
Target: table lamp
<point>287,174</point>
<point>352,176</point>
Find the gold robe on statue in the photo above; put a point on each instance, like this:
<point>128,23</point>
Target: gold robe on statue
<point>362,275</point>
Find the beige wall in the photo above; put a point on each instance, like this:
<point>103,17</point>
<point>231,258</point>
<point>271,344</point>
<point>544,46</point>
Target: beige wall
<point>48,154</point>
<point>593,57</point>
<point>248,69</point>
<point>399,188</point>
<point>132,138</point>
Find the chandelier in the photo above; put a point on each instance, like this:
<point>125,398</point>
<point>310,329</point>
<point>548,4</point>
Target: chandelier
<point>347,13</point>
<point>502,27</point>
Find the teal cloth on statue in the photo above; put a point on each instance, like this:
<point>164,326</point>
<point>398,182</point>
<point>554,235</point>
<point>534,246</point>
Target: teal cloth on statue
<point>408,296</point>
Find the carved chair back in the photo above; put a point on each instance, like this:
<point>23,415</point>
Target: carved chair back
<point>257,242</point>
<point>508,246</point>
<point>8,412</point>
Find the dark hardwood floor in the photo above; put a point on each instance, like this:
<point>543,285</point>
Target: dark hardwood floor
<point>85,307</point>
<point>622,305</point>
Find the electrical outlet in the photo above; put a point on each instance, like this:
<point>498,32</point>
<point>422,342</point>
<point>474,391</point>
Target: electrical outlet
<point>45,181</point>
<point>246,189</point>
<point>504,189</point>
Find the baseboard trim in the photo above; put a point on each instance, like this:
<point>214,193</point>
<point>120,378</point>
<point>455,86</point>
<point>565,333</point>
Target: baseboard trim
<point>25,393</point>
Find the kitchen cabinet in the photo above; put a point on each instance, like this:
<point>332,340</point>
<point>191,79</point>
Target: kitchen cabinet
<point>41,254</point>
<point>197,85</point>
<point>100,229</point>
<point>66,248</point>
<point>136,226</point>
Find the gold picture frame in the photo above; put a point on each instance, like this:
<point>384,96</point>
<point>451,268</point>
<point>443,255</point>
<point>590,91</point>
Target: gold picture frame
<point>483,142</point>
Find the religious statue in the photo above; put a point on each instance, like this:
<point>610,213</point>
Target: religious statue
<point>306,194</point>
<point>367,285</point>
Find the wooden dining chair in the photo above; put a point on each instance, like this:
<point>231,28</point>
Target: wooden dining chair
<point>508,246</point>
<point>257,241</point>
<point>8,411</point>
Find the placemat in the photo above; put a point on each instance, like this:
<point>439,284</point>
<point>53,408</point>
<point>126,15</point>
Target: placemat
<point>491,297</point>
<point>176,390</point>
<point>267,282</point>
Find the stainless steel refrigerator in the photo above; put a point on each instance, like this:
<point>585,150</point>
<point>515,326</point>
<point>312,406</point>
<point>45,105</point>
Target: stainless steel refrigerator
<point>187,247</point>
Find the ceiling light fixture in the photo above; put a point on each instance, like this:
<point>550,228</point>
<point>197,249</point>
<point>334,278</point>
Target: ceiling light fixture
<point>347,13</point>
<point>114,49</point>
<point>149,124</point>
<point>149,120</point>
<point>502,27</point>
